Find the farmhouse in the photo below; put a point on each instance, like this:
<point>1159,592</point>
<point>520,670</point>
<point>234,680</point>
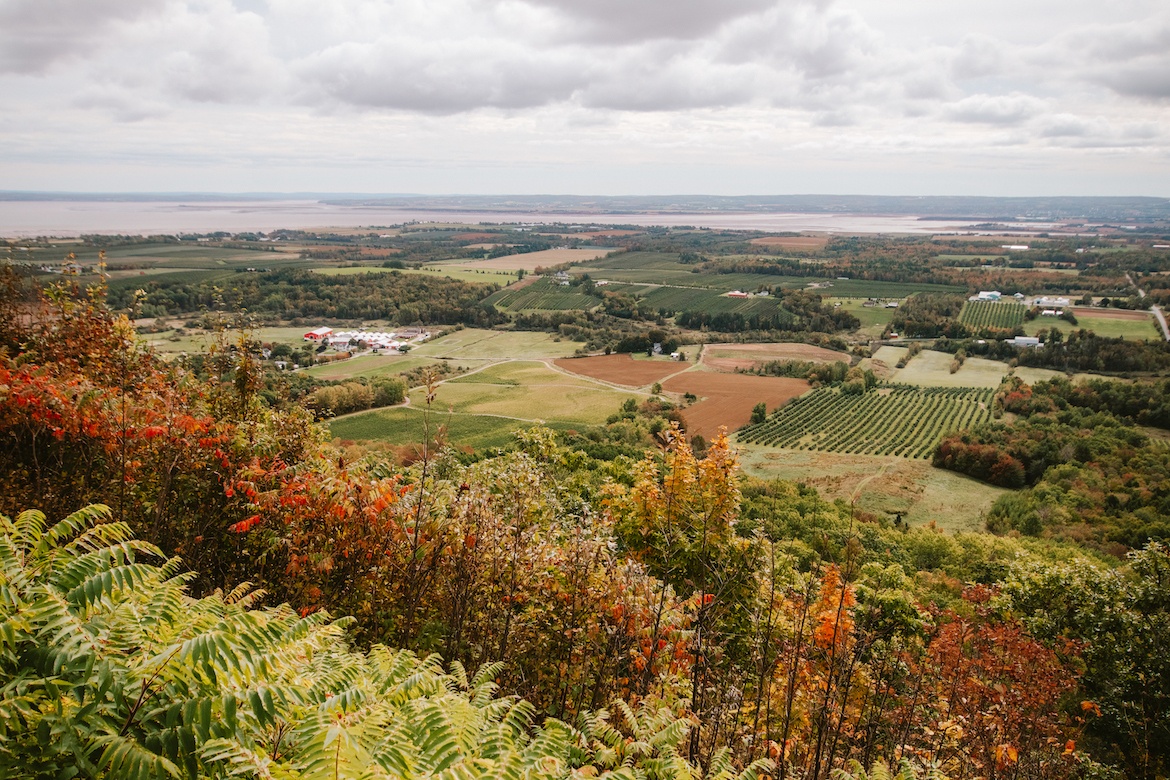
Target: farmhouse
<point>987,295</point>
<point>1051,313</point>
<point>738,294</point>
<point>1046,302</point>
<point>318,334</point>
<point>1024,341</point>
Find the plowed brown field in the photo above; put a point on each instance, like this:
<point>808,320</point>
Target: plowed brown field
<point>728,398</point>
<point>730,357</point>
<point>621,369</point>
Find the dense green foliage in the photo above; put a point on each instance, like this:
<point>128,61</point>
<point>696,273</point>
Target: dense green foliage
<point>1091,476</point>
<point>110,669</point>
<point>293,293</point>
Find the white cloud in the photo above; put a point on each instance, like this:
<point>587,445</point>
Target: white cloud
<point>580,84</point>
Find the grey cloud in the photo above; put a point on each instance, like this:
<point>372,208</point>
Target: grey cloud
<point>36,34</point>
<point>1011,109</point>
<point>437,79</point>
<point>1065,126</point>
<point>834,119</point>
<point>1132,59</point>
<point>646,82</point>
<point>1151,81</point>
<point>978,56</point>
<point>124,105</point>
<point>638,20</point>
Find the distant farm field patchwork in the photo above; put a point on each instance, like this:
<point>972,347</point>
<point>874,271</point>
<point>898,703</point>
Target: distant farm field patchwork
<point>792,242</point>
<point>900,420</point>
<point>530,261</point>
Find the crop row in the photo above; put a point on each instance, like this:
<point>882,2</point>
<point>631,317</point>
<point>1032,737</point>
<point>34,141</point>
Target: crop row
<point>898,420</point>
<point>992,314</point>
<point>540,297</point>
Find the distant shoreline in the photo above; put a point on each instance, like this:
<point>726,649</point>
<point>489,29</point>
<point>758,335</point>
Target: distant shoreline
<point>64,215</point>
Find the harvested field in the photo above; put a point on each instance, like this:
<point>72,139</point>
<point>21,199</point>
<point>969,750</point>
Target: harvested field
<point>792,242</point>
<point>732,357</point>
<point>530,261</point>
<point>1110,314</point>
<point>622,369</point>
<point>727,399</point>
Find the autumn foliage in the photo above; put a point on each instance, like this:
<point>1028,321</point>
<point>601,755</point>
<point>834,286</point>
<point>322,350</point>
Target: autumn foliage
<point>592,581</point>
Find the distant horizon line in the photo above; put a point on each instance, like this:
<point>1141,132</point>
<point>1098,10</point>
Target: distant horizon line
<point>275,194</point>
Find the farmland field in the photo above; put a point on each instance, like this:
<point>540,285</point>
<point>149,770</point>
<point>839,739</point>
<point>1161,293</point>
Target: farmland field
<point>477,344</point>
<point>545,395</point>
<point>542,295</point>
<point>863,288</point>
<point>882,485</point>
<point>874,319</point>
<point>171,343</point>
<point>727,399</point>
<point>732,357</point>
<point>368,366</point>
<point>1108,323</point>
<point>673,300</point>
<point>992,314</point>
<point>899,420</point>
<point>450,271</point>
<point>404,426</point>
<point>530,261</point>
<point>622,369</point>
<point>792,242</point>
<point>933,369</point>
<point>529,373</point>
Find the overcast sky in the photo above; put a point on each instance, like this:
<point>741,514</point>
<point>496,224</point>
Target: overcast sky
<point>981,97</point>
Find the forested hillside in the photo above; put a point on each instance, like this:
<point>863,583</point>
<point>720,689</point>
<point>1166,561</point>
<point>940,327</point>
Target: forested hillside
<point>662,615</point>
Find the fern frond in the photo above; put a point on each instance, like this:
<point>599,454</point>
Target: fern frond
<point>125,757</point>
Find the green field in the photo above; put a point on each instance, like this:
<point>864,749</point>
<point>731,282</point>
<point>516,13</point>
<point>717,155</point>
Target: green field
<point>405,426</point>
<point>899,420</point>
<point>369,366</point>
<point>1102,324</point>
<point>462,274</point>
<point>993,314</point>
<point>477,344</point>
<point>884,486</point>
<point>664,268</point>
<point>524,372</point>
<point>169,342</point>
<point>863,288</point>
<point>544,395</point>
<point>874,319</point>
<point>544,295</point>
